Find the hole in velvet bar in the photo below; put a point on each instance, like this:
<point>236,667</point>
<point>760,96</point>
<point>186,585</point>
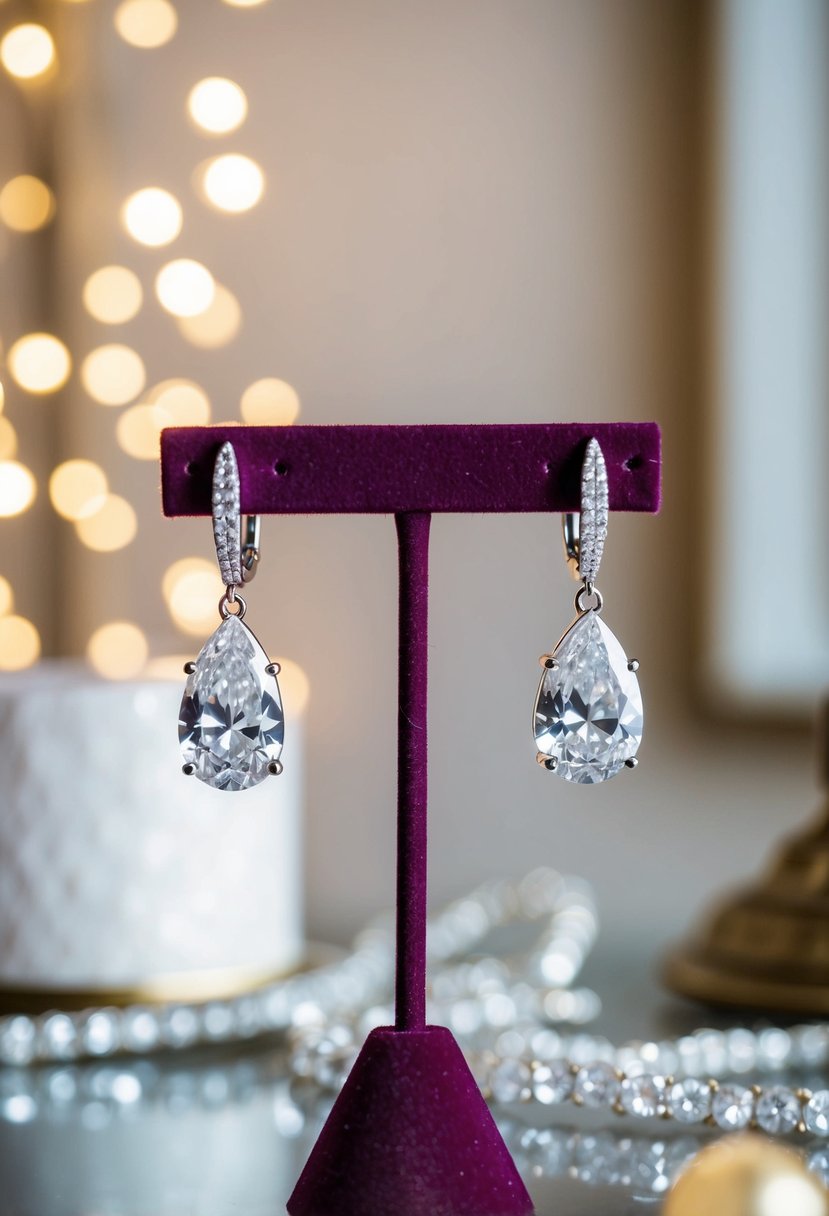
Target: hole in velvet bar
<point>280,469</point>
<point>191,468</point>
<point>634,463</point>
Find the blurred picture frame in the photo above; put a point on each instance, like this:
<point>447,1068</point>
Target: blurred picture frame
<point>767,609</point>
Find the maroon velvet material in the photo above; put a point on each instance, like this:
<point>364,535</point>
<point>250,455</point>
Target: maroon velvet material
<point>307,470</point>
<point>410,1135</point>
<point>410,988</point>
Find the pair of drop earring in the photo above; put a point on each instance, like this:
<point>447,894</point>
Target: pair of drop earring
<point>587,717</point>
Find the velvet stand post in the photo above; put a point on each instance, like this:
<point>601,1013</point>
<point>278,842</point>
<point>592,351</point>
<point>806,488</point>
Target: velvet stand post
<point>410,1133</point>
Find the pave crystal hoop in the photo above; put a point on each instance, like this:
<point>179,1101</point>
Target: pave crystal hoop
<point>587,716</point>
<point>231,724</point>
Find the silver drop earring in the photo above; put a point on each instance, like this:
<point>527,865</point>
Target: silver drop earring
<point>587,718</point>
<point>231,725</point>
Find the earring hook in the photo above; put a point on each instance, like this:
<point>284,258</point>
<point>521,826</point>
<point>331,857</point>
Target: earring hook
<point>251,550</point>
<point>585,532</point>
<point>237,559</point>
<point>570,535</point>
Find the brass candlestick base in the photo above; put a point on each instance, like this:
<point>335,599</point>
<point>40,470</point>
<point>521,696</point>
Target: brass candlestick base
<point>768,945</point>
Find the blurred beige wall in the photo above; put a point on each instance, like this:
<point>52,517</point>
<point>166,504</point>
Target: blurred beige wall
<point>477,211</point>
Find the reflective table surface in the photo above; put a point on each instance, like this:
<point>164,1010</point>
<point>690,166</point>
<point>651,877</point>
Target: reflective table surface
<point>224,1133</point>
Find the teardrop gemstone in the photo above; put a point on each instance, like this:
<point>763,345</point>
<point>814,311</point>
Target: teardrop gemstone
<point>231,725</point>
<point>588,713</point>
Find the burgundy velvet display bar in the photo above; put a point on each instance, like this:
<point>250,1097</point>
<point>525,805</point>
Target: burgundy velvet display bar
<point>385,470</point>
<point>410,1133</point>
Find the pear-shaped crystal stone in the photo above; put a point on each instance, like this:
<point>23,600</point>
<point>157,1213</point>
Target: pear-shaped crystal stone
<point>231,725</point>
<point>588,714</point>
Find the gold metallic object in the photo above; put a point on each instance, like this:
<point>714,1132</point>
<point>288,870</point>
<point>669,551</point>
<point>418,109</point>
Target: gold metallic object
<point>767,946</point>
<point>214,984</point>
<point>746,1176</point>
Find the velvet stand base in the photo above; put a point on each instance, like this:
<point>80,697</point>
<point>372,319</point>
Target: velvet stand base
<point>410,1135</point>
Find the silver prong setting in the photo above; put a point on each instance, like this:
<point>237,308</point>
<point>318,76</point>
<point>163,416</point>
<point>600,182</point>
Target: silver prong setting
<point>633,665</point>
<point>632,762</point>
<point>188,769</point>
<point>189,668</point>
<point>273,669</point>
<point>548,762</point>
<point>274,768</point>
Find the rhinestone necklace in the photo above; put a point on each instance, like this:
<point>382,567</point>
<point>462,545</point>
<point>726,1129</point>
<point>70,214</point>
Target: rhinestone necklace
<point>506,1010</point>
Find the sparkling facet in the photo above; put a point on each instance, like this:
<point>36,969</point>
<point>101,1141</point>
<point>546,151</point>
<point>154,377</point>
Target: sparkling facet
<point>774,1047</point>
<point>231,725</point>
<point>18,1039</point>
<point>816,1113</point>
<point>179,1025</point>
<point>140,1030</point>
<point>818,1163</point>
<point>689,1101</point>
<point>778,1111</point>
<point>58,1036</point>
<point>552,1083</point>
<point>811,1045</point>
<point>100,1032</point>
<point>588,713</point>
<point>597,1085</point>
<point>643,1096</point>
<point>733,1107</point>
<point>509,1081</point>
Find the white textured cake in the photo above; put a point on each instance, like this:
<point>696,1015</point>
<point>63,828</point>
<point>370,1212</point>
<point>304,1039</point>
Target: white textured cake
<point>118,874</point>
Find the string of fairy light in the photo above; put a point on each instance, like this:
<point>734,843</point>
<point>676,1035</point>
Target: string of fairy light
<point>112,374</point>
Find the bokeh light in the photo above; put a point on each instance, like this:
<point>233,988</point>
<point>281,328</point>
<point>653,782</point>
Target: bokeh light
<point>233,182</point>
<point>270,402</point>
<point>139,430</point>
<point>113,374</point>
<point>8,439</point>
<point>192,588</point>
<point>17,488</point>
<point>78,488</point>
<point>217,105</point>
<point>152,216</point>
<point>185,287</point>
<point>218,325</point>
<point>111,527</point>
<point>2,397</point>
<point>6,596</point>
<point>166,667</point>
<point>26,203</point>
<point>294,685</point>
<point>27,51</point>
<point>118,650</point>
<point>245,3</point>
<point>19,643</point>
<point>186,402</point>
<point>146,23</point>
<point>39,363</point>
<point>207,313</point>
<point>113,295</point>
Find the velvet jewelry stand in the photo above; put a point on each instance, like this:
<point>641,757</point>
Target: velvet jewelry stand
<point>410,1133</point>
